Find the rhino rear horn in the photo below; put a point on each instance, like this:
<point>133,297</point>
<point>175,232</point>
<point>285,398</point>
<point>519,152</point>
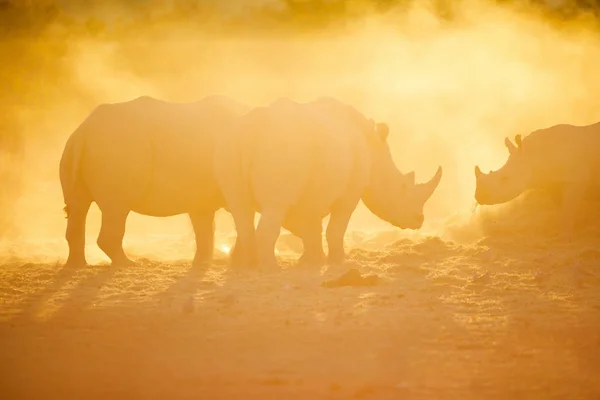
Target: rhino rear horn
<point>383,130</point>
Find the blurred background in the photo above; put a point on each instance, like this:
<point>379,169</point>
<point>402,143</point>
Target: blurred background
<point>451,78</point>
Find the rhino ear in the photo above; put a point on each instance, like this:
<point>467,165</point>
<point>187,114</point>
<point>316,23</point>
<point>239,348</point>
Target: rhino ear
<point>383,130</point>
<point>518,141</point>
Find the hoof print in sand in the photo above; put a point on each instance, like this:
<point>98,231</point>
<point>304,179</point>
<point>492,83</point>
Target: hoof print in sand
<point>352,278</point>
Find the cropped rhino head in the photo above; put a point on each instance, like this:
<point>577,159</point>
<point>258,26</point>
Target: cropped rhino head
<point>506,183</point>
<point>392,196</point>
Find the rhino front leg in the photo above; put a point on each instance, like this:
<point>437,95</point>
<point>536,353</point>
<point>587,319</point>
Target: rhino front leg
<point>336,230</point>
<point>110,239</point>
<point>267,233</point>
<point>243,253</point>
<point>203,223</point>
<point>310,230</point>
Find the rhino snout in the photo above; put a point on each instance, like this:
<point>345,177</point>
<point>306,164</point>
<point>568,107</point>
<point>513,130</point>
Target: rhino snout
<point>415,222</point>
<point>419,220</point>
<point>482,197</point>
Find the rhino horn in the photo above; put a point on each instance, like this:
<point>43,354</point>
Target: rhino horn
<point>429,187</point>
<point>383,130</point>
<point>478,172</point>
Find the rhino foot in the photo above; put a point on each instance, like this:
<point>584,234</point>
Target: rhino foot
<point>75,263</point>
<point>242,258</point>
<point>202,260</point>
<point>242,263</point>
<point>268,263</point>
<point>270,267</point>
<point>201,263</point>
<point>336,259</point>
<point>312,260</point>
<point>123,262</point>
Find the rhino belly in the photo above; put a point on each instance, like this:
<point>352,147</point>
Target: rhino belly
<point>172,194</point>
<point>330,176</point>
<point>116,170</point>
<point>182,177</point>
<point>133,175</point>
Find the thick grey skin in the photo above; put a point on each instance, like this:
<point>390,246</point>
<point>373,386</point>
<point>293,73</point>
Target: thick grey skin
<point>562,157</point>
<point>148,156</point>
<point>295,163</point>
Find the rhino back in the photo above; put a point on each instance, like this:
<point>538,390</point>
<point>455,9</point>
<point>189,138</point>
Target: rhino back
<point>565,154</point>
<point>298,155</point>
<point>301,158</point>
<point>153,156</point>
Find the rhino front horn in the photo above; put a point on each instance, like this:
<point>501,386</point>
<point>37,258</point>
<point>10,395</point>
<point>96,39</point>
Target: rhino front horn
<point>477,171</point>
<point>430,186</point>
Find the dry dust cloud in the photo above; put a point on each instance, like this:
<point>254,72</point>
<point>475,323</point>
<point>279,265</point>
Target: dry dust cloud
<point>451,89</point>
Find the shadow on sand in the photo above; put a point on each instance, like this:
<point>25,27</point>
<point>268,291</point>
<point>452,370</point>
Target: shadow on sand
<point>443,320</point>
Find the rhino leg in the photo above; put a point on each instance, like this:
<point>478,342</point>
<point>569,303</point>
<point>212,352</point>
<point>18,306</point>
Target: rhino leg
<point>267,233</point>
<point>75,234</point>
<point>110,239</point>
<point>243,253</point>
<point>204,231</point>
<point>336,229</point>
<point>312,239</point>
<point>310,230</point>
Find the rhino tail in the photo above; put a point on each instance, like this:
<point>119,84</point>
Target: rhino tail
<point>70,169</point>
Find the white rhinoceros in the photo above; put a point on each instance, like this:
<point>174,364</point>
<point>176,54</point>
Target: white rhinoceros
<point>562,157</point>
<point>295,163</point>
<point>148,156</point>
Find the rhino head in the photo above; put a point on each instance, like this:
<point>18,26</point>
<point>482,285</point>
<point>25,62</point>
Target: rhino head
<point>392,196</point>
<point>506,183</point>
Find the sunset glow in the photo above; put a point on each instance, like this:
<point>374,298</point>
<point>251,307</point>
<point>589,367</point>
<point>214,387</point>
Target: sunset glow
<point>433,295</point>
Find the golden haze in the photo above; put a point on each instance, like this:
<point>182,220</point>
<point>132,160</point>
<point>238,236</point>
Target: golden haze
<point>450,89</point>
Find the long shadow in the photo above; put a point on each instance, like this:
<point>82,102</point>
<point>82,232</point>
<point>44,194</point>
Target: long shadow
<point>189,288</point>
<point>35,302</point>
<point>83,294</point>
<point>397,340</point>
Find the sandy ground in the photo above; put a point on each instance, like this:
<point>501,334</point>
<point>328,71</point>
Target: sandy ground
<point>504,317</point>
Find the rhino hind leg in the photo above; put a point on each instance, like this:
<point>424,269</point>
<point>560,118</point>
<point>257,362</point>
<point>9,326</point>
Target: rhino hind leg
<point>204,231</point>
<point>310,230</point>
<point>75,234</point>
<point>112,230</point>
<point>267,233</point>
<point>243,254</point>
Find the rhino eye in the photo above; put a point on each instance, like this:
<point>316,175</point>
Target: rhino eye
<point>504,179</point>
